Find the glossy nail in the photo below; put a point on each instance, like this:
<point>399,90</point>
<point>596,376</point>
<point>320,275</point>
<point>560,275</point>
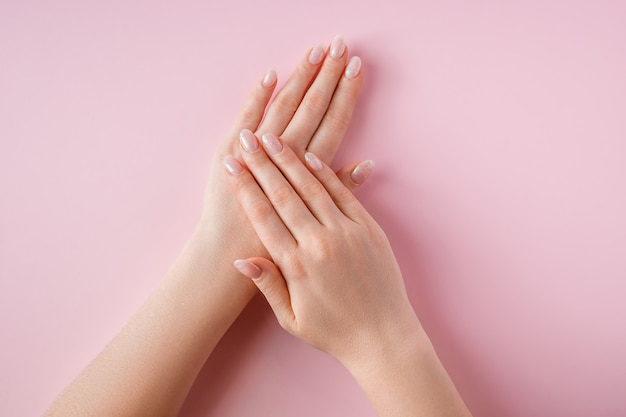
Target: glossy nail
<point>269,79</point>
<point>317,55</point>
<point>248,268</point>
<point>362,171</point>
<point>354,67</point>
<point>248,141</point>
<point>271,144</point>
<point>313,161</point>
<point>337,47</point>
<point>232,165</point>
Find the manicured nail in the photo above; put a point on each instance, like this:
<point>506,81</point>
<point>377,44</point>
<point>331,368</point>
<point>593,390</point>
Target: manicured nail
<point>362,172</point>
<point>269,79</point>
<point>271,144</point>
<point>248,141</point>
<point>317,55</point>
<point>248,268</point>
<point>354,67</point>
<point>337,47</point>
<point>232,165</point>
<point>313,161</point>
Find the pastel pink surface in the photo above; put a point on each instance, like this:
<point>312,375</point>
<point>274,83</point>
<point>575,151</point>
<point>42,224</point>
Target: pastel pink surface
<point>499,135</point>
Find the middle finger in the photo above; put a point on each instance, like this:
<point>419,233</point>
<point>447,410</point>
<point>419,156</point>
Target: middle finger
<point>317,99</point>
<point>288,205</point>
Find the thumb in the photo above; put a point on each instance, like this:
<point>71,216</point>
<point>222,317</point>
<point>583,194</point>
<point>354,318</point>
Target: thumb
<point>268,279</point>
<point>353,175</point>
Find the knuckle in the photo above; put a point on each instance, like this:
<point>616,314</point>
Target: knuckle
<point>316,102</point>
<point>313,190</point>
<point>248,113</point>
<point>259,210</point>
<point>337,122</point>
<point>343,195</point>
<point>323,246</point>
<point>286,102</point>
<point>280,195</point>
<point>292,261</point>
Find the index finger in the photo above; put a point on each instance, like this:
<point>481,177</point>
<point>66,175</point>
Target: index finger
<point>333,126</point>
<point>266,223</point>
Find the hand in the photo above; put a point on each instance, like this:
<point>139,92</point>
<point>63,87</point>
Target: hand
<point>334,282</point>
<point>312,112</point>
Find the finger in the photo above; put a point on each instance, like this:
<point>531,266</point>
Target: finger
<point>286,102</point>
<point>317,99</point>
<point>333,126</point>
<point>341,195</point>
<point>294,213</point>
<point>271,283</point>
<point>254,107</point>
<point>353,175</point>
<point>267,224</point>
<point>308,188</point>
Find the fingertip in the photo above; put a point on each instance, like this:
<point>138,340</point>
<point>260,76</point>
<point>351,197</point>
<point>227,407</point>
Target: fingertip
<point>269,79</point>
<point>232,165</point>
<point>353,69</point>
<point>248,268</point>
<point>313,161</point>
<point>337,47</point>
<point>316,55</point>
<point>362,172</point>
<point>268,279</point>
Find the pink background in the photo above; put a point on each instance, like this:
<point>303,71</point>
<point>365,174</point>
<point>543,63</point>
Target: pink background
<point>499,133</point>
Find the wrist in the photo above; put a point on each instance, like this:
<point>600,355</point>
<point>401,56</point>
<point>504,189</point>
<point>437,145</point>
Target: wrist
<point>392,348</point>
<point>213,250</point>
<point>204,279</point>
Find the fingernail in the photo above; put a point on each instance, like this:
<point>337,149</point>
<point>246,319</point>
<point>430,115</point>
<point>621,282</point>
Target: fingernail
<point>248,268</point>
<point>337,47</point>
<point>269,79</point>
<point>317,55</point>
<point>248,141</point>
<point>271,144</point>
<point>354,67</point>
<point>313,161</point>
<point>362,171</point>
<point>232,165</point>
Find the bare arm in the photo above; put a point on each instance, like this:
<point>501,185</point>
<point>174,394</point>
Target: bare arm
<point>148,369</point>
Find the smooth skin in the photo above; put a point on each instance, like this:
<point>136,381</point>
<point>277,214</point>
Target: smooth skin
<point>333,280</point>
<point>149,367</point>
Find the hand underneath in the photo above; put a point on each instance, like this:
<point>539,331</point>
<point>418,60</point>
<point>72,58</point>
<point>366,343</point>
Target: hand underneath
<point>312,112</point>
<point>334,281</point>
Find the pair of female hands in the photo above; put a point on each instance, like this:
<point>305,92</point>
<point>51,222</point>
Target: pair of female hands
<point>334,281</point>
<point>322,262</point>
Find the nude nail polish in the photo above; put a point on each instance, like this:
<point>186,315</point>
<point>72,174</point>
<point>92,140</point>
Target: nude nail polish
<point>269,79</point>
<point>317,55</point>
<point>271,144</point>
<point>337,47</point>
<point>248,268</point>
<point>232,165</point>
<point>313,161</point>
<point>248,141</point>
<point>362,172</point>
<point>354,67</point>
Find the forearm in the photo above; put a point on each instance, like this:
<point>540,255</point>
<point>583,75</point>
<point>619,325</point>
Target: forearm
<point>407,378</point>
<point>151,364</point>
